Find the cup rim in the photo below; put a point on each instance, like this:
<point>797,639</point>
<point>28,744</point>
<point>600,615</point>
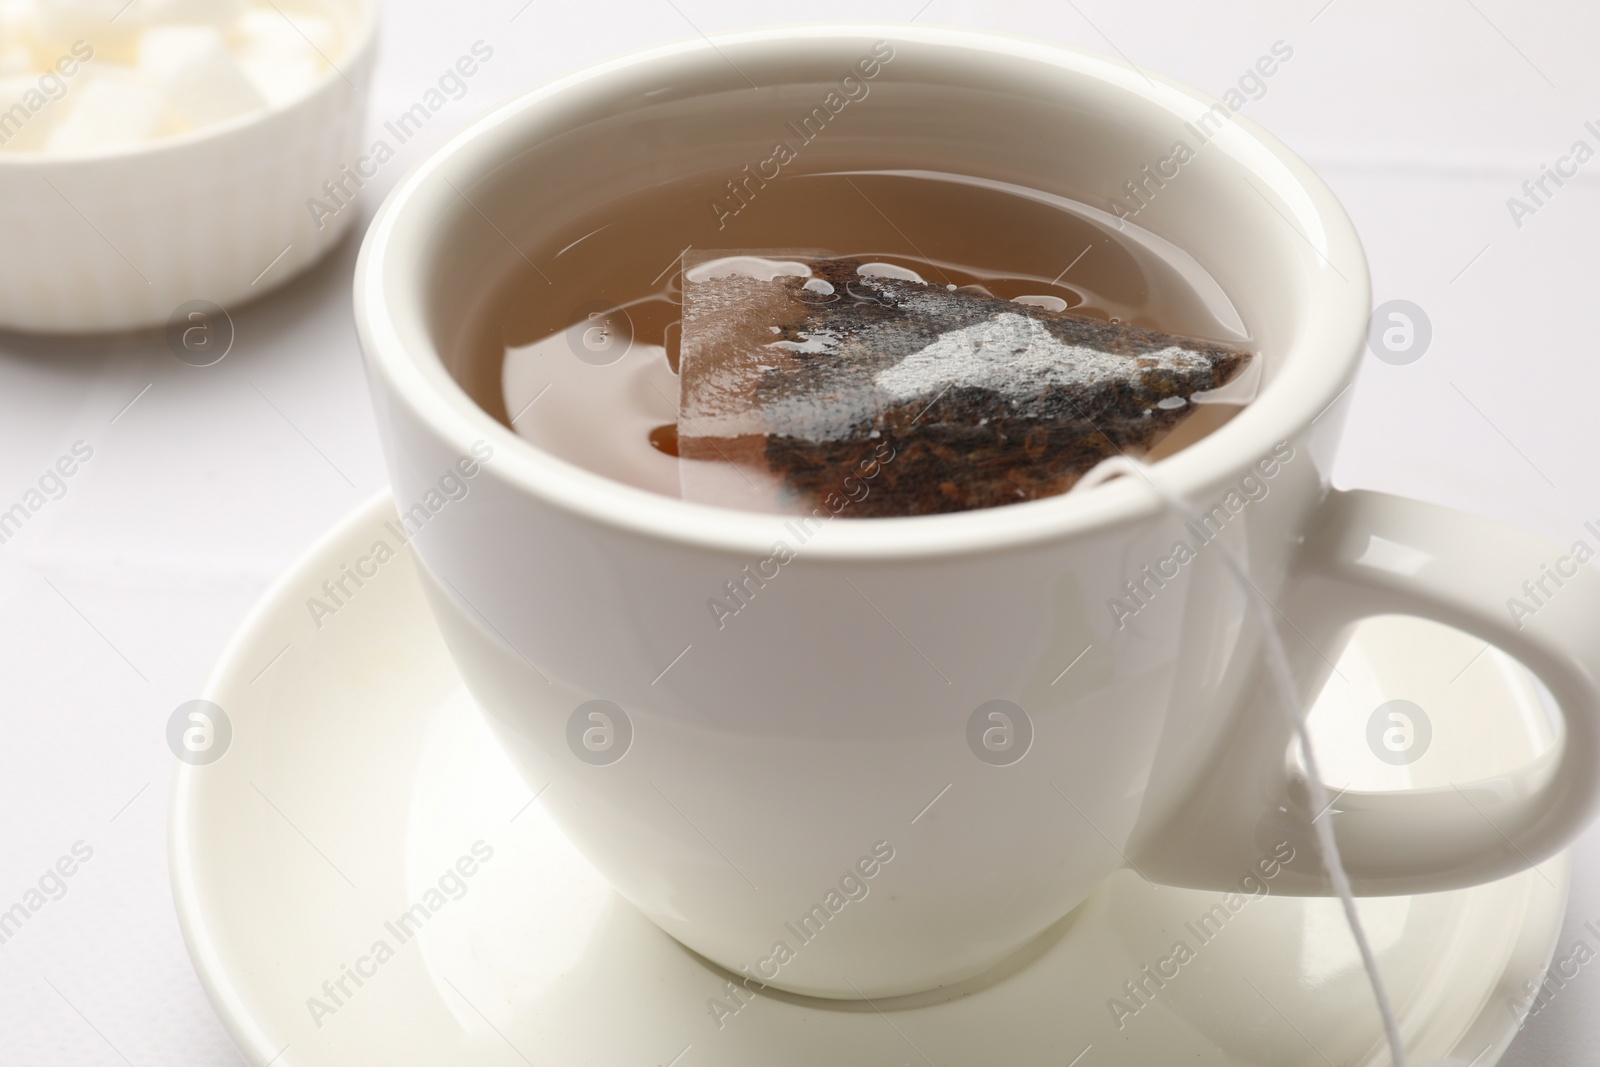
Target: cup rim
<point>399,351</point>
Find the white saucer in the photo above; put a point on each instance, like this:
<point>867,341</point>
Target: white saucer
<point>358,774</point>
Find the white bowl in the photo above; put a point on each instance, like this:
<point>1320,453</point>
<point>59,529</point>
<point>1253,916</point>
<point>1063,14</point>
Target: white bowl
<point>120,239</point>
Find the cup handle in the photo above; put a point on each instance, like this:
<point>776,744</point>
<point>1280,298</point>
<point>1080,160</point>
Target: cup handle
<point>1375,554</point>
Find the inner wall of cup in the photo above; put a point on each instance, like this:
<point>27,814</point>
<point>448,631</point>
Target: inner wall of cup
<point>1059,130</point>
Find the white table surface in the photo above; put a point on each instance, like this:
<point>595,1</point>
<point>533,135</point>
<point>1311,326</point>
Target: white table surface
<point>114,600</point>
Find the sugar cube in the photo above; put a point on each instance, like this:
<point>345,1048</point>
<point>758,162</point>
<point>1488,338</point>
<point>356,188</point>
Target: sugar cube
<point>202,81</point>
<point>25,113</point>
<point>283,53</point>
<point>113,108</point>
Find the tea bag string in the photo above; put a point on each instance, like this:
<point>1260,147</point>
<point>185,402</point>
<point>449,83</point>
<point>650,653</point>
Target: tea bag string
<point>1278,666</point>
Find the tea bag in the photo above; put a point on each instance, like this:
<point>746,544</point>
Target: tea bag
<point>815,384</point>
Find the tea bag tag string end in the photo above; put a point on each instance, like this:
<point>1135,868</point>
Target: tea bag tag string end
<point>1277,661</point>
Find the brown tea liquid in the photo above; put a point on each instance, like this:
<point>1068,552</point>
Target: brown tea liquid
<point>580,355</point>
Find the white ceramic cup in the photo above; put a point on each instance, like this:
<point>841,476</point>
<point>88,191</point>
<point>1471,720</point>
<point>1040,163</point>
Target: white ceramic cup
<point>821,794</point>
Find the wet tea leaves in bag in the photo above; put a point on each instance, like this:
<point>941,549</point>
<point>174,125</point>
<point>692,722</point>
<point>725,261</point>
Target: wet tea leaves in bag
<point>833,385</point>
